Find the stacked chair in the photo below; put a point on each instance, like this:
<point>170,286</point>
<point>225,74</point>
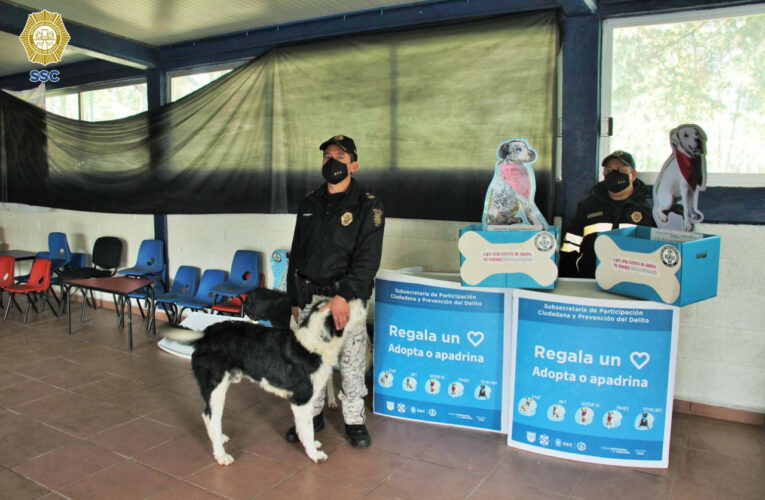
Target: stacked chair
<point>205,297</point>
<point>7,268</point>
<point>149,264</point>
<point>60,257</point>
<point>245,276</point>
<point>36,289</point>
<point>184,287</point>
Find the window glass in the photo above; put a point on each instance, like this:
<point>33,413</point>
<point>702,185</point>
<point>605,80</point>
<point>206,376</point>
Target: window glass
<point>708,72</point>
<point>181,86</point>
<point>113,103</point>
<point>65,105</point>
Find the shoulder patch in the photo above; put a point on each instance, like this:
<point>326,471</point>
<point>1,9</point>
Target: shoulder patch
<point>377,216</point>
<point>636,216</point>
<point>595,214</point>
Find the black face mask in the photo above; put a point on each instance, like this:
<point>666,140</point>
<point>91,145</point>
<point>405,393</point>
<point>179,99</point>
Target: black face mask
<point>334,171</point>
<point>617,181</point>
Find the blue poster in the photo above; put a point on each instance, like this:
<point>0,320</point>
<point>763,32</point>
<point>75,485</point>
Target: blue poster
<point>438,352</point>
<point>593,379</point>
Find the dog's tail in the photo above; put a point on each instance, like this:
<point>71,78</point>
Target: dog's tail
<point>181,335</point>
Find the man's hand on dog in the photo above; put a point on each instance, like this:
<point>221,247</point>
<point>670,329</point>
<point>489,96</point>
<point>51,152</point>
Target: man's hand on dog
<point>340,311</point>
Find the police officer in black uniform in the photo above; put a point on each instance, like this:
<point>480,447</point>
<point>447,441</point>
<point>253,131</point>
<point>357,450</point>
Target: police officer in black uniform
<point>335,255</point>
<point>620,200</point>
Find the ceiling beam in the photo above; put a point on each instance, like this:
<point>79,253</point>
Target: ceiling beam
<point>185,54</point>
<point>84,39</point>
<point>614,9</point>
<point>78,73</point>
<point>578,7</point>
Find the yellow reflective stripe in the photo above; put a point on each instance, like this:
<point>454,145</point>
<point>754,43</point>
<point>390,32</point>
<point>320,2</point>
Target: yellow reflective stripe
<point>576,240</point>
<point>597,228</point>
<point>626,225</point>
<point>569,247</point>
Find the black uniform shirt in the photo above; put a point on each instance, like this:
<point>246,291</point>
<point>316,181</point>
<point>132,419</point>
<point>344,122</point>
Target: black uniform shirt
<point>338,239</point>
<point>597,213</point>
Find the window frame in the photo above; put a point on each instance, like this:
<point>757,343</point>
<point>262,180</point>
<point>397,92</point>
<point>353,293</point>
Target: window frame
<point>726,180</point>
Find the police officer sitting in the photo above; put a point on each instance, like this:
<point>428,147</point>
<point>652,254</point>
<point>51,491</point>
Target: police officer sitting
<point>620,200</point>
<point>335,255</point>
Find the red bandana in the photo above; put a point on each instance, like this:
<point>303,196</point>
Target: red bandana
<point>689,167</point>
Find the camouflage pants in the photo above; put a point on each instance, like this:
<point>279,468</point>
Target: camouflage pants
<point>352,361</point>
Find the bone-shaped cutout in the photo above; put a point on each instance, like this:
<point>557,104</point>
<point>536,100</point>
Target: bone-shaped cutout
<point>523,257</point>
<point>617,266</point>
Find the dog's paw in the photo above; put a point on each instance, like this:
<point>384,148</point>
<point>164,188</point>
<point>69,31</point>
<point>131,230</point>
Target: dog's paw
<point>663,218</point>
<point>696,216</point>
<point>317,444</point>
<point>318,456</point>
<point>332,404</point>
<point>224,459</point>
<point>687,227</point>
<point>224,439</point>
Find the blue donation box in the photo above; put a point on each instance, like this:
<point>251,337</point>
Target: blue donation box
<point>639,262</point>
<point>592,379</point>
<point>439,351</point>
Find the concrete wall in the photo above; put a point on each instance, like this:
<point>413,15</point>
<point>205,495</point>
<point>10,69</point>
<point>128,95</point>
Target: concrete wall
<point>722,340</point>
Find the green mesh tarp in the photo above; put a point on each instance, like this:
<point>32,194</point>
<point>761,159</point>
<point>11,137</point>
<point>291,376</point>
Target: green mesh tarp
<point>427,109</point>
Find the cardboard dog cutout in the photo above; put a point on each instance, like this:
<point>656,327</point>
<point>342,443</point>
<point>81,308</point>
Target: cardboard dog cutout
<point>682,177</point>
<point>510,197</point>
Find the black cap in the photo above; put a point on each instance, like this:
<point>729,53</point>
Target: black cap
<point>622,156</point>
<point>343,142</point>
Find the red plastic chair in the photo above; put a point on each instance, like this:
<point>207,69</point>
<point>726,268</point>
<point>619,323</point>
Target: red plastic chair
<point>38,286</point>
<point>235,306</point>
<point>7,265</point>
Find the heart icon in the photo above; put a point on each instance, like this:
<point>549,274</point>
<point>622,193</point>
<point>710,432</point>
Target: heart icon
<point>640,359</point>
<point>475,338</point>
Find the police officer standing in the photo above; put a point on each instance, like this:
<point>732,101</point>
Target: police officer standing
<point>620,200</point>
<point>335,255</point>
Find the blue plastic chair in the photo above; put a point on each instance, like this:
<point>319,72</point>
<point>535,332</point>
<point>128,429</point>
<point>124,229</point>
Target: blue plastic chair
<point>203,299</point>
<point>244,276</point>
<point>58,254</point>
<point>184,286</point>
<point>150,262</point>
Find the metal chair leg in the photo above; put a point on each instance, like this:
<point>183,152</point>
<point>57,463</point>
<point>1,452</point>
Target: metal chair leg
<point>29,303</point>
<point>53,309</point>
<point>138,301</point>
<point>8,306</point>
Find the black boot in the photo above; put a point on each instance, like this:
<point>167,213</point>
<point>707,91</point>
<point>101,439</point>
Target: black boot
<point>358,435</point>
<point>318,424</point>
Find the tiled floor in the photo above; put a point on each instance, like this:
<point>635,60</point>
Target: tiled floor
<point>82,417</point>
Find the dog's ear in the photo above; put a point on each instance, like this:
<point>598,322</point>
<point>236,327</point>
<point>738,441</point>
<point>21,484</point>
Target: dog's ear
<point>329,324</point>
<point>503,150</point>
<point>674,137</point>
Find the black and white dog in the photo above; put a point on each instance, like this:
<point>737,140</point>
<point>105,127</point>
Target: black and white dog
<point>293,365</point>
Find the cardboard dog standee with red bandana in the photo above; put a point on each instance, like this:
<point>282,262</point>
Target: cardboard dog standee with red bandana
<point>682,177</point>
